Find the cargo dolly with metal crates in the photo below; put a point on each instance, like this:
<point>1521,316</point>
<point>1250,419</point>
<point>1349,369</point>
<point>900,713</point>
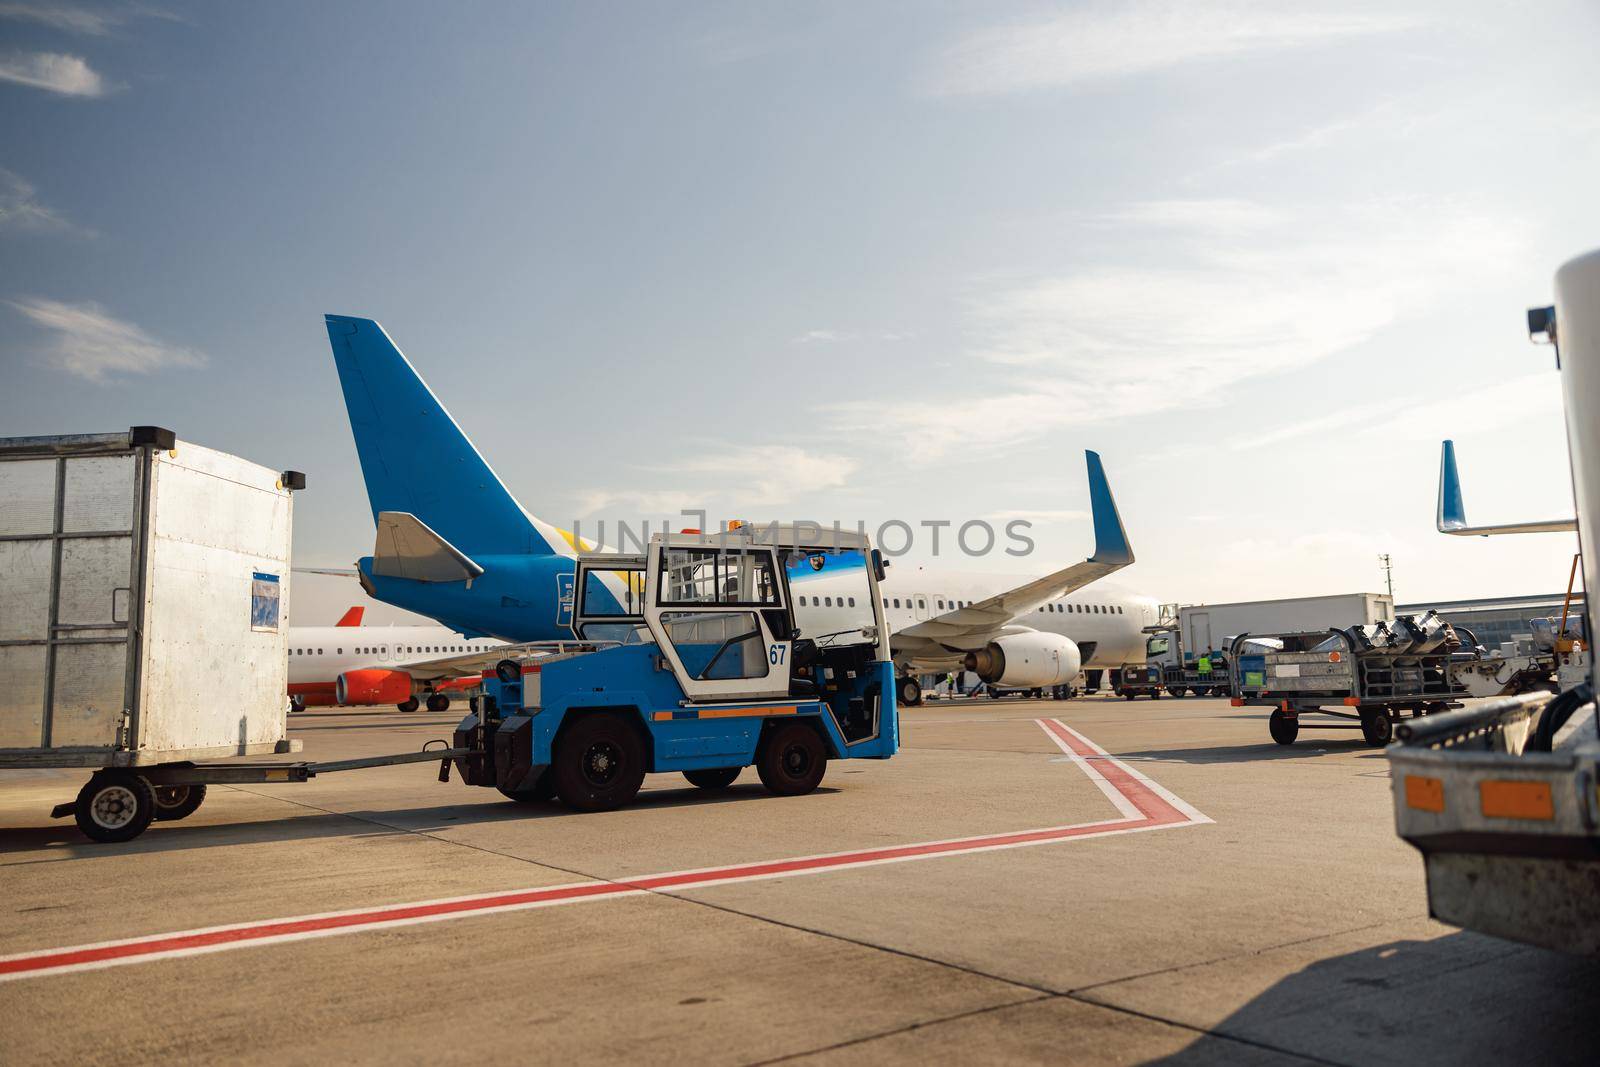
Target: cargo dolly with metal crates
<point>1365,677</point>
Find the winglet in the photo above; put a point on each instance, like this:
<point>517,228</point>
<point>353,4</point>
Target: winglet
<point>1452,517</point>
<point>1110,539</point>
<point>352,617</point>
<point>1452,512</point>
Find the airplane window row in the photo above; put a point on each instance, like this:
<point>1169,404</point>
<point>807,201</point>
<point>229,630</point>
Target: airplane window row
<point>1058,608</point>
<point>383,650</point>
<point>827,602</point>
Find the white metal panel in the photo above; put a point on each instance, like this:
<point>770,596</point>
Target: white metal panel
<point>24,592</point>
<point>28,488</point>
<point>208,679</point>
<point>90,683</point>
<point>1578,334</point>
<point>21,696</point>
<point>98,494</point>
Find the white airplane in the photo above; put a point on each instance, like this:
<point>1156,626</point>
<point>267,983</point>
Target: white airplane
<point>454,544</point>
<point>353,665</point>
<point>1092,629</point>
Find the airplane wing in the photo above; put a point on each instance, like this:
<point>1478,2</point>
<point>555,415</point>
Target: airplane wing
<point>980,621</point>
<point>1452,517</point>
<point>339,572</point>
<point>469,663</point>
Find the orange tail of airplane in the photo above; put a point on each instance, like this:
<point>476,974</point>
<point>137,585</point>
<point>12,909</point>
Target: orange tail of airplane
<point>352,617</point>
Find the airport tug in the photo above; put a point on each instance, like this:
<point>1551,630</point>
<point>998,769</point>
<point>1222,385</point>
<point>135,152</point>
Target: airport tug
<point>688,659</point>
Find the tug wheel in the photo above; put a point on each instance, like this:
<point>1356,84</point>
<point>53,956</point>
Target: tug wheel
<point>793,760</point>
<point>115,805</point>
<point>713,778</point>
<point>599,763</point>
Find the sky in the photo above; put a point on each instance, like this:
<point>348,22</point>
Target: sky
<point>834,261</point>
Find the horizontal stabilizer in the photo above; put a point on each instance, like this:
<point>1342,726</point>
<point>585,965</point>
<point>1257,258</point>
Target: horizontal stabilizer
<point>408,548</point>
<point>1452,512</point>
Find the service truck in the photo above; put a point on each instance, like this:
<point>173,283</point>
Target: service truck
<point>1501,798</point>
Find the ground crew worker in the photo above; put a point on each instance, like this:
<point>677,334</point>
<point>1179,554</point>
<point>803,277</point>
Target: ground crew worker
<point>1204,666</point>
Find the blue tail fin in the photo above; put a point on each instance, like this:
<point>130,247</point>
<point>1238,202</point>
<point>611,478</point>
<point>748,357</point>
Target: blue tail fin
<point>1110,539</point>
<point>1452,512</point>
<point>414,457</point>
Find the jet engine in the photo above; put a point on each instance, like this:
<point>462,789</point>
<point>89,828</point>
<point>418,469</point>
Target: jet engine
<point>1027,659</point>
<point>373,687</point>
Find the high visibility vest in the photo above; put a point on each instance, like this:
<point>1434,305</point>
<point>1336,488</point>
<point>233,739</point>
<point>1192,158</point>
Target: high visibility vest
<point>1204,665</point>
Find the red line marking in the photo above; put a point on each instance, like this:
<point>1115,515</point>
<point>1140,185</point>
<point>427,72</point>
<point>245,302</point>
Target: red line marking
<point>1144,798</point>
<point>1157,812</point>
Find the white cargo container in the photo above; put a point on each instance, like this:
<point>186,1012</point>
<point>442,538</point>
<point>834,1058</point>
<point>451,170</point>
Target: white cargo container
<point>1209,626</point>
<point>144,587</point>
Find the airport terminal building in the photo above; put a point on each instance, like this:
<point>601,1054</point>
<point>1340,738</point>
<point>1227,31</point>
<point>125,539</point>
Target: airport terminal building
<point>1498,619</point>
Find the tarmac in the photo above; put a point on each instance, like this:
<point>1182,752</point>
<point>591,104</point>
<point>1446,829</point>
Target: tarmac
<point>1091,880</point>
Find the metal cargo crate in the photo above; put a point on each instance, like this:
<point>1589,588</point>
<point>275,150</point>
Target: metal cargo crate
<point>143,601</point>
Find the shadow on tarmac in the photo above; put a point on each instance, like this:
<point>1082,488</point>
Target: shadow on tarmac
<point>1446,1000</point>
<point>63,841</point>
<point>1254,753</point>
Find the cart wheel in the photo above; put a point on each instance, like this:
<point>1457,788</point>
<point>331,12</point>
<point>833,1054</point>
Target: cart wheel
<point>1175,693</point>
<point>793,760</point>
<point>1128,694</point>
<point>994,694</point>
<point>544,787</point>
<point>115,805</point>
<point>297,703</point>
<point>174,802</point>
<point>1283,729</point>
<point>599,763</point>
<point>714,778</point>
<point>1376,728</point>
<point>410,704</point>
<point>438,702</point>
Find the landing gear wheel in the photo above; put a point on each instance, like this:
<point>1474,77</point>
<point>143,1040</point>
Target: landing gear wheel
<point>792,760</point>
<point>408,706</point>
<point>715,778</point>
<point>174,802</point>
<point>908,692</point>
<point>1283,729</point>
<point>297,703</point>
<point>544,787</point>
<point>599,763</point>
<point>1376,728</point>
<point>438,702</point>
<point>115,805</point>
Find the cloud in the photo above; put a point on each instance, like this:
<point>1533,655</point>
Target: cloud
<point>20,209</point>
<point>722,474</point>
<point>1242,292</point>
<point>63,17</point>
<point>52,72</point>
<point>830,337</point>
<point>1107,41</point>
<point>91,344</point>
